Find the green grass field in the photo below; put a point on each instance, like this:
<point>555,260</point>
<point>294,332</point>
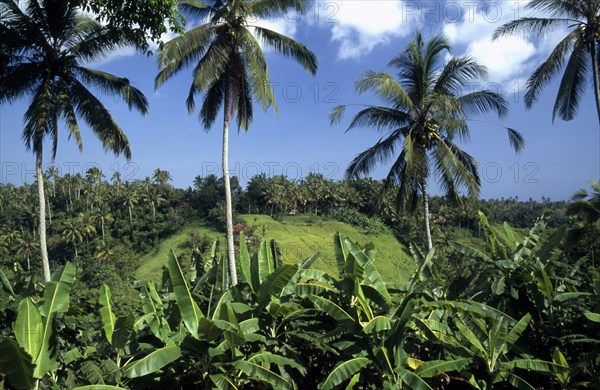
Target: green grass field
<point>298,237</point>
<point>152,263</point>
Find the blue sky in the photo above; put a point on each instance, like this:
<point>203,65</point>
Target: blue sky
<point>349,37</point>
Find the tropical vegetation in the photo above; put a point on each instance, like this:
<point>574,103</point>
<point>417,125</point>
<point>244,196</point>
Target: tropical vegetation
<point>425,113</point>
<point>231,70</point>
<point>334,290</point>
<point>44,49</point>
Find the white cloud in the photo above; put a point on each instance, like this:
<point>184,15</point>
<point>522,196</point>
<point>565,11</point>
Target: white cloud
<point>509,59</point>
<point>360,25</point>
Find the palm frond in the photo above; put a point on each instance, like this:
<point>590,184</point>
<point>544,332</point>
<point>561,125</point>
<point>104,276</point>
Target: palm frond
<point>213,63</point>
<point>379,153</point>
<point>91,41</point>
<point>336,114</point>
<point>558,7</point>
<point>17,81</point>
<point>114,85</point>
<point>548,69</point>
<point>482,102</point>
<point>407,193</point>
<point>99,119</point>
<point>289,48</point>
<point>457,73</point>
<point>196,9</point>
<point>183,51</point>
<point>213,100</point>
<point>456,168</point>
<point>579,195</point>
<point>67,111</point>
<point>531,26</point>
<point>379,117</point>
<point>384,86</point>
<point>573,83</point>
<point>265,9</point>
<point>516,139</point>
<point>257,70</point>
<point>38,116</point>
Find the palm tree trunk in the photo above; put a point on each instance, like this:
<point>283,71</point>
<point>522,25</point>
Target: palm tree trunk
<point>596,76</point>
<point>596,80</point>
<point>102,226</point>
<point>228,208</point>
<point>42,215</point>
<point>426,215</point>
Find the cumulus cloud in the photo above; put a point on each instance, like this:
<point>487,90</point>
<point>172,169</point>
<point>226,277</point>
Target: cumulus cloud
<point>360,25</point>
<point>509,59</point>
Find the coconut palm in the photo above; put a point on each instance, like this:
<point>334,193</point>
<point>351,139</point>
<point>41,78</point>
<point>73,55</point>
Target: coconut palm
<point>230,69</point>
<point>45,45</point>
<point>425,113</point>
<point>579,48</point>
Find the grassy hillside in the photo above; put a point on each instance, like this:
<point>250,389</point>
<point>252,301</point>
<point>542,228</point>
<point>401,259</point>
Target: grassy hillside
<point>298,238</point>
<point>152,263</point>
<point>302,236</point>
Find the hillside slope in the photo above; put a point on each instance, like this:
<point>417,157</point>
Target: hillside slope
<point>298,238</point>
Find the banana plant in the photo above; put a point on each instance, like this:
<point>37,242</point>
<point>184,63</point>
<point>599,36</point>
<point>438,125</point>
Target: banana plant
<point>34,355</point>
<point>372,332</point>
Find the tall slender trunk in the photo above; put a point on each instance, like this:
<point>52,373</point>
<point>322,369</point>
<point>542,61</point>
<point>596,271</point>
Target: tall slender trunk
<point>228,208</point>
<point>426,215</point>
<point>102,226</point>
<point>49,210</point>
<point>130,215</point>
<point>596,83</point>
<point>42,224</point>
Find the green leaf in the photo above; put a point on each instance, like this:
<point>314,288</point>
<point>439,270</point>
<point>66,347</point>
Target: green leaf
<point>106,313</point>
<point>336,312</point>
<point>470,251</point>
<point>222,382</point>
<point>559,359</point>
<point>370,272</point>
<point>99,387</point>
<point>259,372</point>
<point>265,262</point>
<point>16,365</point>
<point>594,317</point>
<point>341,253</point>
<point>29,328</point>
<point>434,367</point>
<point>517,381</point>
<point>344,371</point>
<point>270,358</point>
<point>6,283</point>
<point>122,331</point>
<point>536,365</point>
<point>413,381</point>
<point>377,324</point>
<point>56,300</point>
<point>246,262</point>
<point>152,362</point>
<point>274,283</point>
<point>190,312</point>
<point>518,329</point>
<point>56,293</point>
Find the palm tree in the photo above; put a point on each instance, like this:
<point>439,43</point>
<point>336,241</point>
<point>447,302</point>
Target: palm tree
<point>161,177</point>
<point>48,42</point>
<point>425,112</point>
<point>231,69</point>
<point>71,233</point>
<point>579,48</point>
<point>130,198</point>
